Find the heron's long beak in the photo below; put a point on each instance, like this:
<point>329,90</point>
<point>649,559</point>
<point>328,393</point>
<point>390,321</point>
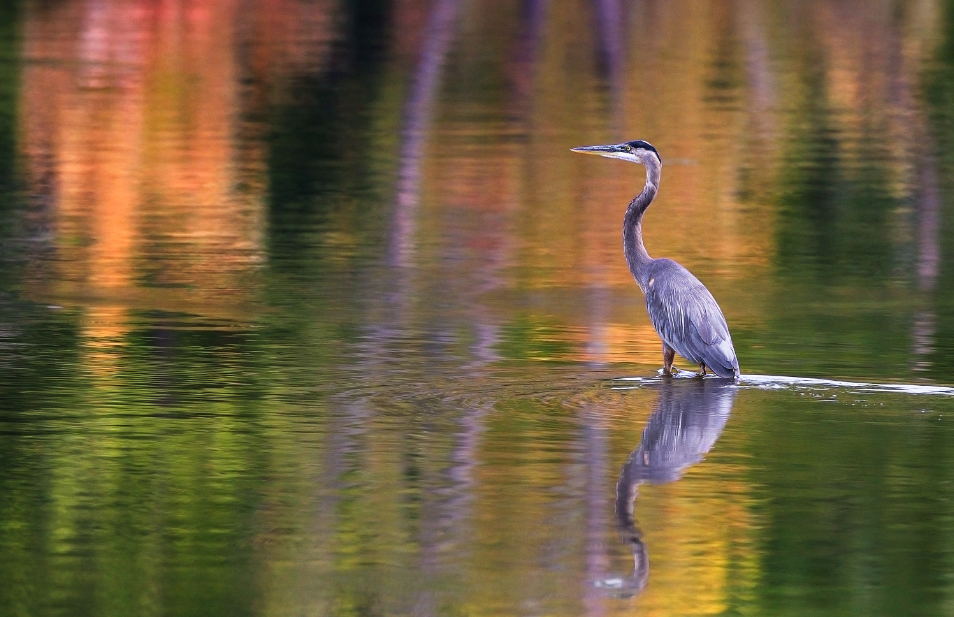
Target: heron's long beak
<point>612,151</point>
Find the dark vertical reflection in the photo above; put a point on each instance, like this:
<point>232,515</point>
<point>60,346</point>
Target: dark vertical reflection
<point>687,419</point>
<point>14,234</point>
<point>12,215</point>
<point>933,329</point>
<point>321,144</point>
<point>523,68</point>
<point>903,75</point>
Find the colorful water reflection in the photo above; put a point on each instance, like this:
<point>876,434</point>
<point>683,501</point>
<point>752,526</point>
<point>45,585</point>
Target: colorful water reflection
<point>306,307</point>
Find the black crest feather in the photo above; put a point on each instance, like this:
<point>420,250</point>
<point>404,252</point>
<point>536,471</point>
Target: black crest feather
<point>639,144</point>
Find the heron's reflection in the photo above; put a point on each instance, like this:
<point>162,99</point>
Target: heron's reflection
<point>687,420</point>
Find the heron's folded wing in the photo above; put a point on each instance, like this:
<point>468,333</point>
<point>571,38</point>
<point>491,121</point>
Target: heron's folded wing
<point>688,318</point>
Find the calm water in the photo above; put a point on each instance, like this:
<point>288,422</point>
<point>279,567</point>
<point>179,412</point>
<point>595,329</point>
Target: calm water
<point>307,309</point>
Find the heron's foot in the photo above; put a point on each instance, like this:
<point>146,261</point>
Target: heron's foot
<point>670,372</point>
<point>702,370</point>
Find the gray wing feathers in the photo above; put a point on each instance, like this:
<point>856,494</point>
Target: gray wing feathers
<point>688,319</point>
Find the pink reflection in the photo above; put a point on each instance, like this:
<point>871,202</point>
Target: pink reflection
<point>417,120</point>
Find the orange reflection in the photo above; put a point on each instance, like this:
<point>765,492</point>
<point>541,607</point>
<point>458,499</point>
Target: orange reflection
<point>144,140</point>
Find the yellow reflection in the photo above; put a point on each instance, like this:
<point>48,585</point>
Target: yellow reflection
<point>104,328</point>
<point>705,534</point>
<point>638,344</point>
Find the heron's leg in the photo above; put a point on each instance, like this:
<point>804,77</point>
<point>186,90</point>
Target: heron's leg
<point>702,369</point>
<point>669,354</point>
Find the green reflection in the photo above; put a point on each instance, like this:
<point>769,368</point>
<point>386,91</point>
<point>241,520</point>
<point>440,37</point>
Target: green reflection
<point>840,298</point>
<point>131,491</point>
<point>834,198</point>
<point>855,523</point>
<point>534,338</point>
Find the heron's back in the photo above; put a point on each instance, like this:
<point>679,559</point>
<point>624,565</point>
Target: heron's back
<point>688,319</point>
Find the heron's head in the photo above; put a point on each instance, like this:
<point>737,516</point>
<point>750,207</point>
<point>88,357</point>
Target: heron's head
<point>638,151</point>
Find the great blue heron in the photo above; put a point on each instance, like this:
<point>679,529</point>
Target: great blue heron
<point>684,313</point>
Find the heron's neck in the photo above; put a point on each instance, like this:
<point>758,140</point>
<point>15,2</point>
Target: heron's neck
<point>636,255</point>
<point>626,489</point>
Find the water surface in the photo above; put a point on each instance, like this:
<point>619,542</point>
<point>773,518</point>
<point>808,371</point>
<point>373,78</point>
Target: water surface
<point>306,308</point>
